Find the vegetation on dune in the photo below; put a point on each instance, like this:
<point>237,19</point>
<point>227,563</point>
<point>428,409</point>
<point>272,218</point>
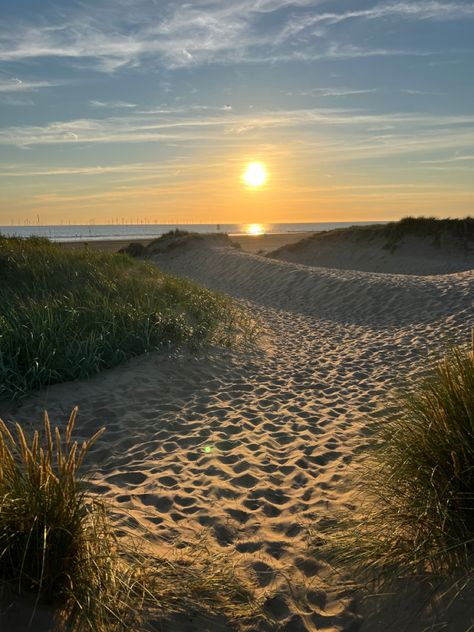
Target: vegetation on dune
<point>178,238</point>
<point>173,240</point>
<point>458,231</point>
<point>67,314</point>
<point>418,481</point>
<point>57,545</point>
<point>55,541</point>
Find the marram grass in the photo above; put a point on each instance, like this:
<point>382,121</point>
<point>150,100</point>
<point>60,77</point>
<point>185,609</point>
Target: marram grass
<point>67,314</point>
<point>418,483</point>
<point>55,540</point>
<point>42,507</point>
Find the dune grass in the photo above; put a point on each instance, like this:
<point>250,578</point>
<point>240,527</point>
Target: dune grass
<point>55,540</point>
<point>58,546</point>
<point>452,233</point>
<point>67,314</point>
<point>418,482</point>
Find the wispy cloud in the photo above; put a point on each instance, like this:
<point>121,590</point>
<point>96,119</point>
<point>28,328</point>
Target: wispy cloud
<point>416,10</point>
<point>109,36</point>
<point>422,92</point>
<point>112,104</point>
<point>335,133</point>
<point>18,171</point>
<point>332,92</point>
<point>447,160</point>
<point>17,85</point>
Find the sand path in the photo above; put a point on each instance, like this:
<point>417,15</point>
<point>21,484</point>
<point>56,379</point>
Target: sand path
<point>253,445</point>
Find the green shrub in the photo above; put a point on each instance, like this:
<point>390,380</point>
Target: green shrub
<point>419,481</point>
<point>67,314</point>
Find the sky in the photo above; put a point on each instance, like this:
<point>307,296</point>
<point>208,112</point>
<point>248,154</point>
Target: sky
<point>150,110</point>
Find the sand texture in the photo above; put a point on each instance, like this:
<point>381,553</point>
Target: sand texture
<point>356,249</point>
<point>252,445</point>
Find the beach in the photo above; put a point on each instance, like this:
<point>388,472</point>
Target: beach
<point>252,448</point>
<point>237,316</point>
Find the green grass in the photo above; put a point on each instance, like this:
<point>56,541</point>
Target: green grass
<point>418,482</point>
<point>57,546</point>
<point>67,314</point>
<point>176,239</point>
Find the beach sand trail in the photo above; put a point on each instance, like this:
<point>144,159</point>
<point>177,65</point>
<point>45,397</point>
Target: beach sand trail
<point>252,445</point>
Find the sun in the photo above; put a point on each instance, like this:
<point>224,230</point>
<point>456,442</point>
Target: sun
<point>255,229</point>
<point>255,175</point>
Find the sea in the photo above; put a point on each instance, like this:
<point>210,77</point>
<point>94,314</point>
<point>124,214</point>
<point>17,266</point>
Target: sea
<point>90,232</point>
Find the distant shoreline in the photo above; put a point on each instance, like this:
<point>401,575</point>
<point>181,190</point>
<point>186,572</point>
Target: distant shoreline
<point>132,232</point>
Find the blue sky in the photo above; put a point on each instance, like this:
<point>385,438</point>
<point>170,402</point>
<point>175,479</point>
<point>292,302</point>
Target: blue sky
<point>152,109</point>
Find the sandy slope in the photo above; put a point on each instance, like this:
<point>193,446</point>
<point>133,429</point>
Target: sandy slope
<point>353,249</point>
<point>253,445</point>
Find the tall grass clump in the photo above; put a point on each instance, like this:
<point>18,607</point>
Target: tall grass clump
<point>418,481</point>
<point>55,539</point>
<point>67,314</point>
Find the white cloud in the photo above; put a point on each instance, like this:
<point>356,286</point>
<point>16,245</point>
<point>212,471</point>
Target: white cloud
<point>335,133</point>
<point>17,85</point>
<point>337,92</point>
<point>28,171</point>
<point>446,160</point>
<point>416,10</point>
<point>112,35</point>
<point>112,104</point>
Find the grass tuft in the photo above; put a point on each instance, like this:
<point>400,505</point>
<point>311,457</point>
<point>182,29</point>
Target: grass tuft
<point>55,539</point>
<point>418,482</point>
<point>67,314</point>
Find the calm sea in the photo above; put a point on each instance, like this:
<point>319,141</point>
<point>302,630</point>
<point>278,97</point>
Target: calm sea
<point>148,231</point>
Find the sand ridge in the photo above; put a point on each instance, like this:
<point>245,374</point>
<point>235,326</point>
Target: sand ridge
<point>345,296</point>
<point>252,446</point>
<point>434,248</point>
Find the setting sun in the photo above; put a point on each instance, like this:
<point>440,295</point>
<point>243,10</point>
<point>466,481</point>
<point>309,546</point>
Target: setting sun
<point>255,174</point>
<point>254,229</point>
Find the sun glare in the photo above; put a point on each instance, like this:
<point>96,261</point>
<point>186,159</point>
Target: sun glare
<point>254,229</point>
<point>255,175</point>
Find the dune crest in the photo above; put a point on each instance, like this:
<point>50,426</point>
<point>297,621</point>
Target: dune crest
<point>420,246</point>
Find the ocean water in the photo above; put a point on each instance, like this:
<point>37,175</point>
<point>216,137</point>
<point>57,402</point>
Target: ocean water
<point>91,232</point>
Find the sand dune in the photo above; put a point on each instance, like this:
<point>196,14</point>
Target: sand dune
<point>412,246</point>
<point>347,296</point>
<point>252,445</point>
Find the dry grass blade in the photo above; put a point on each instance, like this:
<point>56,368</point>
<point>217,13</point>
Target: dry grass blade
<point>87,445</point>
<point>70,425</point>
<point>49,437</point>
